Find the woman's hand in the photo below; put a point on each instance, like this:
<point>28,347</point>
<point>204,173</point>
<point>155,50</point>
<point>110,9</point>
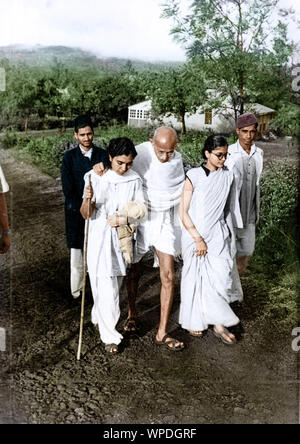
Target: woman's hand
<point>88,193</point>
<point>116,221</point>
<point>87,210</point>
<point>201,248</point>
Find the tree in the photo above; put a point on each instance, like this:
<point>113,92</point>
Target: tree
<point>287,120</point>
<point>106,97</point>
<point>176,91</point>
<point>232,39</point>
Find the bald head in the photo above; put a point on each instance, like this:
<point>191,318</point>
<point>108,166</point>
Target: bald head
<point>164,142</point>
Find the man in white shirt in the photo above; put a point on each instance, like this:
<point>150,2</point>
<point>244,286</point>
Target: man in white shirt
<point>245,159</point>
<point>4,227</point>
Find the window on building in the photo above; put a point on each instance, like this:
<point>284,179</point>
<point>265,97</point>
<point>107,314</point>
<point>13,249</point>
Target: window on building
<point>146,114</point>
<point>208,117</point>
<point>132,114</point>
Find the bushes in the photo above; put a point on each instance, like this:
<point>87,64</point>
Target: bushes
<point>137,135</point>
<point>11,139</point>
<point>276,253</point>
<point>287,120</point>
<point>47,152</point>
<point>277,229</point>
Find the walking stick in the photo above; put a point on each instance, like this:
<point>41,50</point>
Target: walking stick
<point>84,274</point>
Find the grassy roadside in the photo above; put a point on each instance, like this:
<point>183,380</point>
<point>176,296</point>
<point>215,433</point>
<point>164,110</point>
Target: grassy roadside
<point>271,284</point>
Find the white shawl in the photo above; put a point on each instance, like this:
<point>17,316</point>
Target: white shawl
<point>162,182</point>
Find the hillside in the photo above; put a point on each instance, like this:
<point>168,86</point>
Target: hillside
<point>47,55</point>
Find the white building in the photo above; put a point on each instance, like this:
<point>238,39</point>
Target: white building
<point>139,115</point>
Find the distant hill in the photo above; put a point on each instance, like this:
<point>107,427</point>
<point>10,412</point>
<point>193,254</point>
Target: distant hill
<point>47,55</point>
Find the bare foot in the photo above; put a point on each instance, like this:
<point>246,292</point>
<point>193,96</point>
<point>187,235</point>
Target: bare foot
<point>170,343</point>
<point>130,325</point>
<point>224,334</point>
<point>196,333</point>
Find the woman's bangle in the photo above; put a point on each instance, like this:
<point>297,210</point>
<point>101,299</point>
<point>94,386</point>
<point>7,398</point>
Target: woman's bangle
<point>6,233</point>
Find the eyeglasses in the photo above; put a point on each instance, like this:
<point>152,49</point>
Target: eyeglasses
<point>220,155</point>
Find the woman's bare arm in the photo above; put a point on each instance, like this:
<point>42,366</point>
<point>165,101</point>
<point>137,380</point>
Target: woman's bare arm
<point>186,220</point>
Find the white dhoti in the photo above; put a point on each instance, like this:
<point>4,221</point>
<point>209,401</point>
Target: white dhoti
<point>106,309</point>
<point>162,232</point>
<point>76,275</point>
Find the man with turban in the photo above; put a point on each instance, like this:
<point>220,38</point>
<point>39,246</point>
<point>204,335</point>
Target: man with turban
<point>245,159</point>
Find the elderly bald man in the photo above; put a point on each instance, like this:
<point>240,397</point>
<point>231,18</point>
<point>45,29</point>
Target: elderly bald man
<point>161,169</point>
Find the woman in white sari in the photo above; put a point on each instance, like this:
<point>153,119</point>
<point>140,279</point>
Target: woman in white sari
<point>207,204</point>
<point>106,263</point>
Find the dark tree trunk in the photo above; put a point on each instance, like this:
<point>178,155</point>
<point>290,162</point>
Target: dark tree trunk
<point>183,126</point>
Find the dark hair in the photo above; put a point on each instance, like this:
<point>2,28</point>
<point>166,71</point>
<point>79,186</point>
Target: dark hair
<point>121,146</point>
<point>212,142</point>
<point>83,121</point>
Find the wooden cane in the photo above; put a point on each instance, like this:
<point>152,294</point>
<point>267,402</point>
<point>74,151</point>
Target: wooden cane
<point>84,274</point>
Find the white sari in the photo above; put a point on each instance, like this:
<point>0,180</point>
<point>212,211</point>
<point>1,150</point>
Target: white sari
<point>106,264</point>
<point>206,282</point>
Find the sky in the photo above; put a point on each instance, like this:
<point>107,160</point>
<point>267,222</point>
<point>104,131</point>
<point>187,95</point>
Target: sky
<point>118,28</point>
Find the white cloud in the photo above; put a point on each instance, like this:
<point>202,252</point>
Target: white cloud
<point>121,28</point>
<point>131,28</point>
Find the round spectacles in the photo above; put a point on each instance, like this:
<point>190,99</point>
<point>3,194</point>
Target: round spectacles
<point>220,155</point>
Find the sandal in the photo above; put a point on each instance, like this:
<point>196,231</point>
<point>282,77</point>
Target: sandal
<point>173,347</point>
<point>130,325</point>
<point>223,334</point>
<point>196,333</point>
<point>112,349</point>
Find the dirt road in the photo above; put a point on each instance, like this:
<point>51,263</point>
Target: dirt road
<point>255,381</point>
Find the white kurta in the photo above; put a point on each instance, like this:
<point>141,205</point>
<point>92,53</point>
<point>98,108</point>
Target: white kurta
<point>234,163</point>
<point>105,261</point>
<point>162,185</point>
<point>206,282</point>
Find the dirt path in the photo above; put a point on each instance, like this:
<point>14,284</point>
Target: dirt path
<point>40,380</point>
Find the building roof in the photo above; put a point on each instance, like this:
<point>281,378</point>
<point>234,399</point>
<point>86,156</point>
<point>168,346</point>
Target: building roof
<point>142,106</point>
<point>260,109</point>
<point>257,108</point>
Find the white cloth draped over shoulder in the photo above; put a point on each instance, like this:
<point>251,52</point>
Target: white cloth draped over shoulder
<point>162,182</point>
<point>206,282</point>
<point>111,192</point>
<point>162,185</point>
